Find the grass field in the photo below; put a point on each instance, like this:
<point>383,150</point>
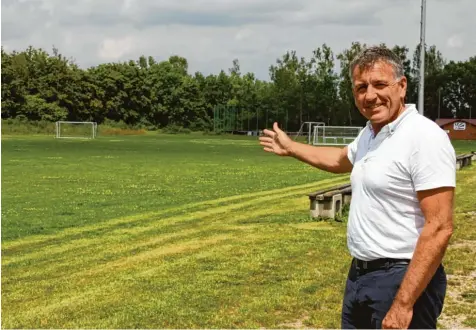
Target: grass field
<point>165,231</point>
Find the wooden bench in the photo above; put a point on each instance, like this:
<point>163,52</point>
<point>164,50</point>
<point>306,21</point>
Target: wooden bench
<point>328,203</point>
<point>465,160</point>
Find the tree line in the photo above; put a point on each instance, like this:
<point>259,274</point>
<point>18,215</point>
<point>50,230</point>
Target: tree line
<point>39,86</point>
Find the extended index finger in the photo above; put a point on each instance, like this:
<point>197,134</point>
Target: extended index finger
<point>266,139</point>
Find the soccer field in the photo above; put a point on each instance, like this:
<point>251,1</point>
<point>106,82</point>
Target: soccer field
<point>162,231</point>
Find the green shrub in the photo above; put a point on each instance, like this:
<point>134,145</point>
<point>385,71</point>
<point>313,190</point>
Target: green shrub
<point>175,129</point>
<point>21,126</point>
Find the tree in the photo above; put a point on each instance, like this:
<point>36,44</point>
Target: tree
<point>147,93</point>
<point>459,89</point>
<point>345,85</point>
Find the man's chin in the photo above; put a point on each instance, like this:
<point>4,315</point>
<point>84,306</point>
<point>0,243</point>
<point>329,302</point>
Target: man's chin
<point>377,118</point>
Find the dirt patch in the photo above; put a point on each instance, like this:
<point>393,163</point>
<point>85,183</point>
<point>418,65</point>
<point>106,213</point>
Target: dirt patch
<point>447,322</point>
<point>298,324</point>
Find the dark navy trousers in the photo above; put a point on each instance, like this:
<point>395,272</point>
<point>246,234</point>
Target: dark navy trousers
<point>369,294</point>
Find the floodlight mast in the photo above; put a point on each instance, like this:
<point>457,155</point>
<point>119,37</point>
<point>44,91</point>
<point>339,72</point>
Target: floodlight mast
<point>421,89</point>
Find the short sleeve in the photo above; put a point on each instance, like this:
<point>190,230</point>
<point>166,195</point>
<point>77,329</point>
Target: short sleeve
<point>353,146</point>
<point>433,162</point>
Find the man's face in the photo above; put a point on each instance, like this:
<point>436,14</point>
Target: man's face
<point>378,95</point>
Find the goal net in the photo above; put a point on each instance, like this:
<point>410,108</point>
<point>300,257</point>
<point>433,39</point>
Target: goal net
<point>335,135</point>
<point>76,129</point>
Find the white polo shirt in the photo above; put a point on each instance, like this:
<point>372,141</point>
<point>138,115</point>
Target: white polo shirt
<point>410,154</point>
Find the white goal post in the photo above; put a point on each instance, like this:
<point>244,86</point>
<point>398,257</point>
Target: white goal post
<point>76,129</point>
<point>310,129</point>
<point>335,135</point>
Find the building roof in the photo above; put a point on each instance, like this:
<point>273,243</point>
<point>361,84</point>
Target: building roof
<point>444,121</point>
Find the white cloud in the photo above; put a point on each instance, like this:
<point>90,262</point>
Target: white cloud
<point>113,49</point>
<point>455,41</point>
<point>211,33</point>
<point>243,34</point>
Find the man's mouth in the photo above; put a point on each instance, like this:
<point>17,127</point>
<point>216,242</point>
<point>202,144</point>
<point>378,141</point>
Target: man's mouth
<point>373,107</point>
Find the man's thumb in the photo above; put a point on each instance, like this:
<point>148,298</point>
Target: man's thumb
<point>276,128</point>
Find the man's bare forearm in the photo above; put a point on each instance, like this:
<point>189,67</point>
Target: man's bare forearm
<point>330,159</point>
<point>427,257</point>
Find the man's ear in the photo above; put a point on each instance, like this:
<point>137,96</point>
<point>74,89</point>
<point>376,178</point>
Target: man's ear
<point>403,85</point>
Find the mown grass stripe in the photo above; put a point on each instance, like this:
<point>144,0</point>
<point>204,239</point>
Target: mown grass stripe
<point>75,298</point>
<point>136,232</point>
<point>84,289</point>
<point>14,246</point>
<point>74,274</point>
<point>95,276</point>
<point>114,247</point>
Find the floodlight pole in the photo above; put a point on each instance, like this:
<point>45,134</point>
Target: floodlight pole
<point>421,89</point>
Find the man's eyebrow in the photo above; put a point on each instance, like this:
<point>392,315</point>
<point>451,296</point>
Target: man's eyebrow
<point>380,81</point>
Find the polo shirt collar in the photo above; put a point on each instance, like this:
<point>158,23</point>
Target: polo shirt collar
<point>390,128</point>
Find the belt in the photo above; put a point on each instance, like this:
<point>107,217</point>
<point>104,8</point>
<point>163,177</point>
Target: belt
<point>378,263</point>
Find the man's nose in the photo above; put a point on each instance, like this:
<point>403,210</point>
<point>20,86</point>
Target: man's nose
<point>371,94</point>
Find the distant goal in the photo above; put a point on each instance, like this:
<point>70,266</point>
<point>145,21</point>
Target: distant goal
<point>76,129</point>
<point>335,135</point>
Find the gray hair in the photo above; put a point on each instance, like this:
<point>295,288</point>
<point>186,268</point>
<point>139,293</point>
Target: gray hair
<point>372,55</point>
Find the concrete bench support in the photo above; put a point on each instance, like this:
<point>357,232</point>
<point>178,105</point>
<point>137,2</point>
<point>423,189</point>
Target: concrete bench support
<point>328,203</point>
<point>346,195</point>
<point>327,206</point>
<point>464,160</point>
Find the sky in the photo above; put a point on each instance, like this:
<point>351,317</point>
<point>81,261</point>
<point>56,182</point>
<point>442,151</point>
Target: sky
<point>211,33</point>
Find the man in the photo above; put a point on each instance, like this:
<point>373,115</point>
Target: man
<point>400,220</point>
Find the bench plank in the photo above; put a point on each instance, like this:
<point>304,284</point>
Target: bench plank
<point>323,191</point>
